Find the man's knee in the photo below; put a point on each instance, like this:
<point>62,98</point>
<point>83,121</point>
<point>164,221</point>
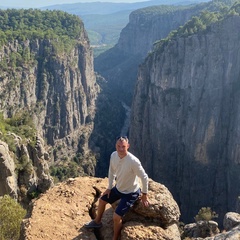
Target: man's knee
<point>102,202</point>
<point>116,217</point>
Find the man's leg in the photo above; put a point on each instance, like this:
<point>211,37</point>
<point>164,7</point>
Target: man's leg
<point>117,226</point>
<point>101,208</point>
<point>126,202</point>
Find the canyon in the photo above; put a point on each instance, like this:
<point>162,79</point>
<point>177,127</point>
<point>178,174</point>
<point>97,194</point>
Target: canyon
<point>183,94</point>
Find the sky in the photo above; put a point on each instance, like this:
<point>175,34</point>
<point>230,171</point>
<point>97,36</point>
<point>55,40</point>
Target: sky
<point>43,3</point>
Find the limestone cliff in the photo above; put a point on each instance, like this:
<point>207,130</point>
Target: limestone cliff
<point>24,174</point>
<point>56,87</point>
<point>185,117</point>
<point>8,180</point>
<point>119,65</point>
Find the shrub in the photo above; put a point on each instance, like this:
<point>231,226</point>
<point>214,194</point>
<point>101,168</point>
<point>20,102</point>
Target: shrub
<point>10,218</point>
<point>205,214</point>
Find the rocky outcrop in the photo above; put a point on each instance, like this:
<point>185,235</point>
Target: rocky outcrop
<point>201,229</point>
<point>64,209</point>
<point>185,113</point>
<point>231,220</point>
<point>233,234</point>
<point>8,179</point>
<point>56,87</point>
<point>209,229</point>
<point>29,176</point>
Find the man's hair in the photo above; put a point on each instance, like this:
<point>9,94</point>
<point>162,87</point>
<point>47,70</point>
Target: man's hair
<point>122,138</point>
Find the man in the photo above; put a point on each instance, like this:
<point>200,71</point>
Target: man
<point>125,169</point>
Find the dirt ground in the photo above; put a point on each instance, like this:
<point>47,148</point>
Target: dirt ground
<point>63,210</point>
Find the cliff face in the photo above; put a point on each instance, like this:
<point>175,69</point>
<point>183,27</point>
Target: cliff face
<point>150,24</point>
<point>185,118</point>
<point>8,180</point>
<point>30,176</point>
<point>57,88</point>
<point>119,65</point>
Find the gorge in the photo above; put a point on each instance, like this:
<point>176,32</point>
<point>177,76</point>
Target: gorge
<point>182,126</point>
<point>183,99</point>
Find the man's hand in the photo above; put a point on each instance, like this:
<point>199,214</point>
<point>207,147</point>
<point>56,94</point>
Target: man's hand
<point>144,200</point>
<point>107,192</point>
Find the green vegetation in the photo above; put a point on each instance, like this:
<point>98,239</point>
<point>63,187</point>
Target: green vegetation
<point>62,28</point>
<point>205,214</point>
<point>61,173</point>
<point>10,218</point>
<point>157,10</point>
<point>21,124</point>
<point>80,165</point>
<point>22,24</point>
<point>201,23</point>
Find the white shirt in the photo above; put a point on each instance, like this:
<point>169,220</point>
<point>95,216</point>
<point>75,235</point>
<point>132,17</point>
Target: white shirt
<point>126,172</point>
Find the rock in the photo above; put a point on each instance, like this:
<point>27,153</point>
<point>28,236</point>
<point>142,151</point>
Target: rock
<point>231,220</point>
<point>8,179</point>
<point>201,229</point>
<point>238,204</point>
<point>69,204</point>
<point>143,231</point>
<point>44,180</point>
<point>208,230</point>
<point>233,234</point>
<point>163,207</point>
<point>33,175</point>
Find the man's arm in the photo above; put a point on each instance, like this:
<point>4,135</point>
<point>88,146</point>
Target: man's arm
<point>144,200</point>
<point>144,178</point>
<point>111,175</point>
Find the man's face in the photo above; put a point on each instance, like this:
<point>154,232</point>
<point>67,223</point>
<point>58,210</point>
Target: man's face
<point>122,147</point>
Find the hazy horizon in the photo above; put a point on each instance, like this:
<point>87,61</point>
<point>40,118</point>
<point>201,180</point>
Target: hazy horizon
<point>44,3</point>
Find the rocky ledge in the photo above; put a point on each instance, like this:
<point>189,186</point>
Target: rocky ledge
<point>63,210</point>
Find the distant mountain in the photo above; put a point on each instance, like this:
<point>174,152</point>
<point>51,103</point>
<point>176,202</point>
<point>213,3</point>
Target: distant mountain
<point>105,20</point>
<point>110,7</point>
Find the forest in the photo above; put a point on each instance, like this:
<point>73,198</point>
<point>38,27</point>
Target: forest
<point>33,23</point>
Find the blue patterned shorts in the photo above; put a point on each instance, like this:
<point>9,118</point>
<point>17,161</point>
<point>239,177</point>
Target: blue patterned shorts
<point>126,200</point>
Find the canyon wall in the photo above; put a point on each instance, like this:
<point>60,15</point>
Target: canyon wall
<point>119,65</point>
<point>57,88</point>
<point>185,117</point>
<point>48,91</point>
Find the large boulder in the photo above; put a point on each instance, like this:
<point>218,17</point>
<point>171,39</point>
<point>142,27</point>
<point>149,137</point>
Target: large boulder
<point>208,230</point>
<point>24,172</point>
<point>162,205</point>
<point>233,234</point>
<point>231,220</point>
<point>8,180</point>
<point>158,221</point>
<point>201,229</point>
